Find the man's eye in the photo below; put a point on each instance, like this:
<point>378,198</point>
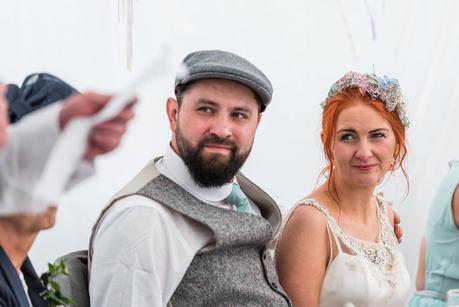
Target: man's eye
<point>205,110</point>
<point>240,115</point>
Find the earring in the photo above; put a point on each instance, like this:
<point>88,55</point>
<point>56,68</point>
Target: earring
<point>332,164</point>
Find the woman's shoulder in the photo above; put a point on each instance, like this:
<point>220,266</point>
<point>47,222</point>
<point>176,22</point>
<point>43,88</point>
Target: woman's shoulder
<point>315,199</point>
<point>304,220</point>
<point>310,212</point>
<point>307,213</point>
<point>305,224</point>
<point>451,179</point>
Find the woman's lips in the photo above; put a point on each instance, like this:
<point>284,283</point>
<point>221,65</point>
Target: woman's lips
<point>365,168</point>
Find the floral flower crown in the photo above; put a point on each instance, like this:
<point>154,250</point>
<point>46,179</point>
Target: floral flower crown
<point>383,89</point>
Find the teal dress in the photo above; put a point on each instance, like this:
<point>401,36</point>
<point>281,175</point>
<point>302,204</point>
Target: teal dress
<point>442,246</point>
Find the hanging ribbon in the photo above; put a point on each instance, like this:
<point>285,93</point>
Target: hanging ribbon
<point>126,10</point>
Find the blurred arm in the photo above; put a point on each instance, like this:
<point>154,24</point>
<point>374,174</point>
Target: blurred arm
<point>420,277</point>
<point>24,156</point>
<point>31,140</point>
<point>455,206</point>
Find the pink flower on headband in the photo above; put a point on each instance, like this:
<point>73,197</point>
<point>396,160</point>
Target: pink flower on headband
<point>361,81</point>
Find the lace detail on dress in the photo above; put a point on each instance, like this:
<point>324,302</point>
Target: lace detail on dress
<point>381,253</point>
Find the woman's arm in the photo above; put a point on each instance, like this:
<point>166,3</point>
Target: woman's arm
<point>420,277</point>
<point>455,206</point>
<point>301,256</point>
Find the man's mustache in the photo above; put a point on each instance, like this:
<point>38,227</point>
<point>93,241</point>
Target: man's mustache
<point>213,139</point>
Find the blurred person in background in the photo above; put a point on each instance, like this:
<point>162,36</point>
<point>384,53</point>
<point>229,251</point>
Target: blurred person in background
<point>26,144</point>
<point>438,267</point>
<point>25,148</point>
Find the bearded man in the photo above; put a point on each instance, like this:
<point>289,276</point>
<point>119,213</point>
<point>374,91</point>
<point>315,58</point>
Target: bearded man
<point>190,229</point>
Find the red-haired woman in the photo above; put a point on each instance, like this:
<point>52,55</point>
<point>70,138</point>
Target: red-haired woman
<point>338,245</point>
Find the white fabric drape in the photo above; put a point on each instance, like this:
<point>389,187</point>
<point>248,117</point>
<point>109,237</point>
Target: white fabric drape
<point>302,46</point>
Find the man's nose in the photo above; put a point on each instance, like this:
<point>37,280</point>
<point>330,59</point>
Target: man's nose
<point>221,126</point>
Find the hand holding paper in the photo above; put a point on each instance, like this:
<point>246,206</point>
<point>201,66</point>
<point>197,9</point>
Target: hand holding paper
<point>102,131</point>
<point>104,136</point>
<point>83,137</point>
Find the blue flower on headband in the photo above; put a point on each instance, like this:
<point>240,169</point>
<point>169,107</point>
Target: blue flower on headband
<point>385,83</point>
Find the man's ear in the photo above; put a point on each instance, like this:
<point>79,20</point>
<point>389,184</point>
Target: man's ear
<point>260,115</point>
<point>172,109</point>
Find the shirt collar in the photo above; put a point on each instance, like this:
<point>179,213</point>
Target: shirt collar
<point>173,167</point>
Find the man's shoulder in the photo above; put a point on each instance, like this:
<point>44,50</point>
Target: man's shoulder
<point>145,175</point>
<point>134,211</point>
<point>137,223</point>
<point>136,202</point>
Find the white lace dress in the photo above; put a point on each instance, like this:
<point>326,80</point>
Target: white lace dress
<point>363,274</point>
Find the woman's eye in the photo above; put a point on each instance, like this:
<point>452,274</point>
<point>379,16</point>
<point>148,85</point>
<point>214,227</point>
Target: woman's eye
<point>347,137</point>
<point>378,135</point>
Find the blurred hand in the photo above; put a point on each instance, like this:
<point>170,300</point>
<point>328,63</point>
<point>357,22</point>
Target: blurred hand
<point>398,231</point>
<point>3,117</point>
<point>103,137</point>
<point>397,228</point>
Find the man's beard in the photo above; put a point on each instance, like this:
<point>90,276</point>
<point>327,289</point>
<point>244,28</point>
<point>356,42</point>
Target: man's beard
<point>211,170</point>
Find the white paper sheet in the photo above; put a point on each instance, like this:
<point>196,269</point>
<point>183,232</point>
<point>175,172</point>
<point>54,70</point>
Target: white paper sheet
<point>71,144</point>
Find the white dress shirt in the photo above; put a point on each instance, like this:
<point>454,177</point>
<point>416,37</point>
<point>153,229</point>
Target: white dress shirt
<point>29,144</point>
<point>143,249</point>
<point>24,285</point>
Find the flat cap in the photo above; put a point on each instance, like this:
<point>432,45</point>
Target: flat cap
<point>224,65</point>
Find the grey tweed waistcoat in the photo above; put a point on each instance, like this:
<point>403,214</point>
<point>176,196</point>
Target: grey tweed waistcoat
<point>236,269</point>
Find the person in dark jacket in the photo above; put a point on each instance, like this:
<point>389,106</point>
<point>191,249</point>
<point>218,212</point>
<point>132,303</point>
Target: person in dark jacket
<point>19,284</point>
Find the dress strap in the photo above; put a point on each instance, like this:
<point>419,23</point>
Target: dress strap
<point>330,234</point>
<point>328,222</point>
<point>382,209</point>
<point>385,226</point>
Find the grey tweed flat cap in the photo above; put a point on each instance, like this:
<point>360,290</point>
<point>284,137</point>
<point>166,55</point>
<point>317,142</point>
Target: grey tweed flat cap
<point>225,65</point>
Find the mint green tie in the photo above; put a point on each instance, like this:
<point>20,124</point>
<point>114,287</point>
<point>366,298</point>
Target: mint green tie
<point>238,198</point>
